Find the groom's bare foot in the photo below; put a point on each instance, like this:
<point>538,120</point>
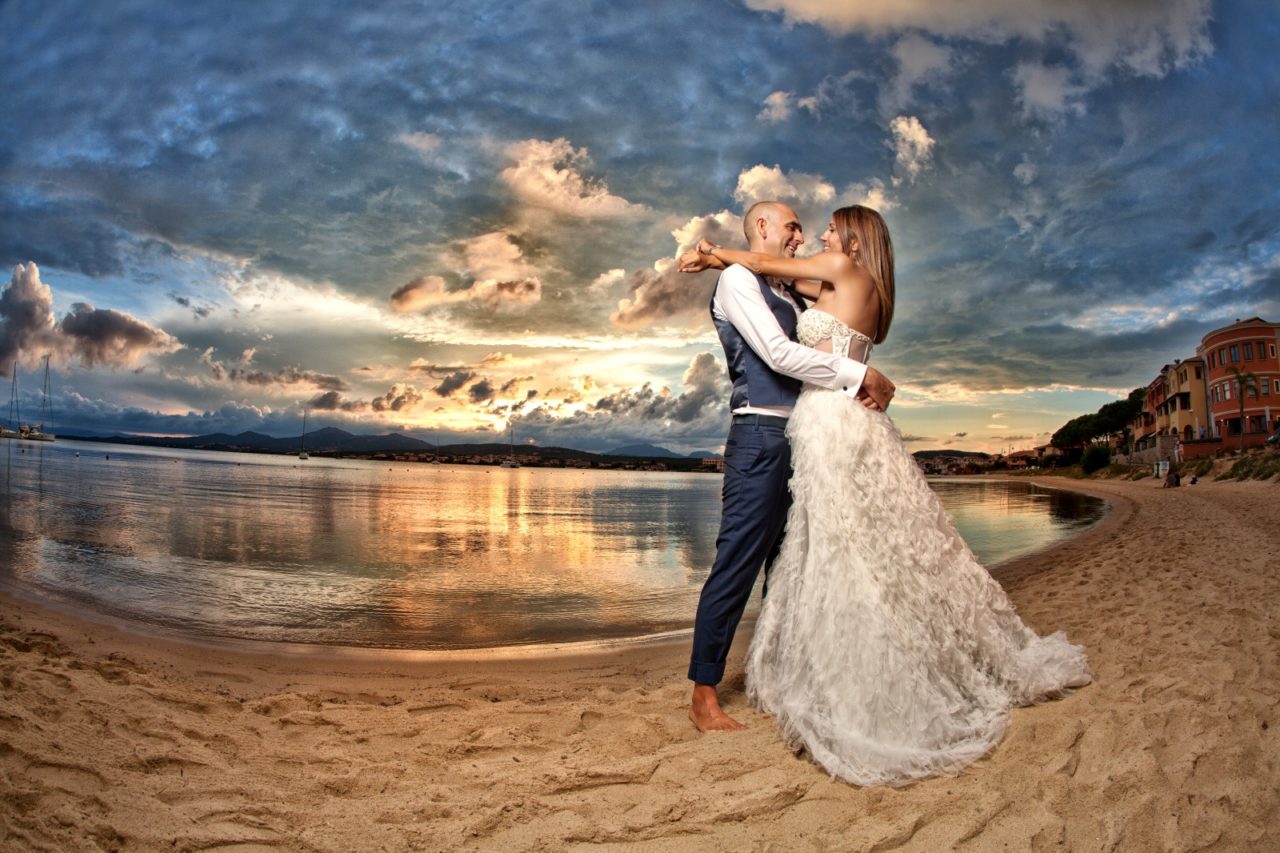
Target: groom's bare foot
<point>706,713</point>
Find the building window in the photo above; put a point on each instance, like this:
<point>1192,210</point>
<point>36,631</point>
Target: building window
<point>1235,353</point>
<point>1248,350</point>
<point>1266,387</point>
<point>1273,350</point>
<point>1197,373</point>
<point>1278,386</point>
<point>1226,391</point>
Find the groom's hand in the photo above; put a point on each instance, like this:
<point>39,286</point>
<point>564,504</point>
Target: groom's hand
<point>877,391</point>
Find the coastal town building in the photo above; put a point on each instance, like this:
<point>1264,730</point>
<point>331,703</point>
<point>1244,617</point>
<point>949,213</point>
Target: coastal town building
<point>1192,406</point>
<point>1154,435</point>
<point>1177,403</point>
<point>1249,347</point>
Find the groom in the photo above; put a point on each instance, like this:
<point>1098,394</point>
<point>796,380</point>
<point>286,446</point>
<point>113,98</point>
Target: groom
<point>756,321</point>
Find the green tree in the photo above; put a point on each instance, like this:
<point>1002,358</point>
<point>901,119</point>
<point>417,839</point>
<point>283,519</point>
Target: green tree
<point>1243,380</point>
<point>1095,458</point>
<point>1111,419</point>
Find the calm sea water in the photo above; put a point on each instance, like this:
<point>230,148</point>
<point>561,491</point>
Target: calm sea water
<point>399,555</point>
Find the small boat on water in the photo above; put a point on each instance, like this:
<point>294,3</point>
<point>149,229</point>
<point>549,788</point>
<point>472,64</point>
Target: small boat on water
<point>24,432</point>
<point>510,461</point>
<point>35,434</point>
<point>302,450</point>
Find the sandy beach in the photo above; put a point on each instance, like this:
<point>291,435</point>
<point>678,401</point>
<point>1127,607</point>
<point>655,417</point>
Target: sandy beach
<point>113,740</point>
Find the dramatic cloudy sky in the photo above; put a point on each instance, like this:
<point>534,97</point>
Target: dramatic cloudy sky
<point>438,218</point>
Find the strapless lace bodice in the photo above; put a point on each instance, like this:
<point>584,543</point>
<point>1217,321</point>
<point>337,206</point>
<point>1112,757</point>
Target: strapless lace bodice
<point>816,326</point>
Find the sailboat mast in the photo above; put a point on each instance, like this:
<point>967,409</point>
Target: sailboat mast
<point>13,400</point>
<point>44,396</point>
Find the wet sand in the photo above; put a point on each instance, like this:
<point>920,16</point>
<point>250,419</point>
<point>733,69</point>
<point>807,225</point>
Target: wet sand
<point>114,740</point>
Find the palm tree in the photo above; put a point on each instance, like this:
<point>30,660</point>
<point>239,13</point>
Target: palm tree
<point>1244,380</point>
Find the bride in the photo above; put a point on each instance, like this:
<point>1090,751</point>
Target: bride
<point>883,648</point>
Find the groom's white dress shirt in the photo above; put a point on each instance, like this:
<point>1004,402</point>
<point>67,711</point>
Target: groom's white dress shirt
<point>738,300</point>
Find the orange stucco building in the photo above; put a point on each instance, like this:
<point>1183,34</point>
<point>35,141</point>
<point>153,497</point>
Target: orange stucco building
<point>1249,346</point>
<point>1192,406</point>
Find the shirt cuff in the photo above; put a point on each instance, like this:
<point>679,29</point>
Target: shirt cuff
<point>850,376</point>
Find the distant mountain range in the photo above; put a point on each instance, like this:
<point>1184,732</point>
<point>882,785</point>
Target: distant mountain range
<point>329,439</point>
<point>647,451</point>
<point>933,454</point>
<point>334,440</point>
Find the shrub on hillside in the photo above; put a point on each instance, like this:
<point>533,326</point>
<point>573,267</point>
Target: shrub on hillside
<point>1253,466</point>
<point>1096,457</point>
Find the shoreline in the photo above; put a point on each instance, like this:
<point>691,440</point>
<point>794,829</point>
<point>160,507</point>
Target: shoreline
<point>108,739</point>
<point>153,632</point>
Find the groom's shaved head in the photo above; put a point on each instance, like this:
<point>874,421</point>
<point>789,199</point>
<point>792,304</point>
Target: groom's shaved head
<point>769,210</point>
<point>773,227</point>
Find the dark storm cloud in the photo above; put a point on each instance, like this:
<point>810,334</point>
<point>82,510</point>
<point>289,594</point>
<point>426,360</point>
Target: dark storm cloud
<point>287,376</point>
<point>94,336</point>
<point>400,397</point>
<point>329,401</point>
<point>26,318</point>
<point>107,337</point>
<point>511,384</point>
<point>453,382</point>
<point>481,391</point>
<point>332,401</point>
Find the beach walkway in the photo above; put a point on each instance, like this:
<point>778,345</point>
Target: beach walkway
<point>111,740</point>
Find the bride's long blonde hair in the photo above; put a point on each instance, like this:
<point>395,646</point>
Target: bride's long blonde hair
<point>874,254</point>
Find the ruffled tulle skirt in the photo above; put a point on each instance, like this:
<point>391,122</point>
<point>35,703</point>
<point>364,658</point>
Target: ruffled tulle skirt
<point>883,648</point>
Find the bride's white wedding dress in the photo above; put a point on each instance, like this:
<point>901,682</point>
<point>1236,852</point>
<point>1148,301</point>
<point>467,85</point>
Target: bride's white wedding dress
<point>883,647</point>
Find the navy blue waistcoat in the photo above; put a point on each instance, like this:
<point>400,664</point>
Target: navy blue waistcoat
<point>753,382</point>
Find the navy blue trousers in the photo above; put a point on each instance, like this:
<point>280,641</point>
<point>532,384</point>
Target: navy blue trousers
<point>757,466</point>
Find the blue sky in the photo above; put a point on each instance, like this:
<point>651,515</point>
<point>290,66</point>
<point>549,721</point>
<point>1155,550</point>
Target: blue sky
<point>441,218</point>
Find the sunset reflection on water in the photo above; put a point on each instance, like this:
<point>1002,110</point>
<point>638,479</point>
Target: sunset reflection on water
<point>394,555</point>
